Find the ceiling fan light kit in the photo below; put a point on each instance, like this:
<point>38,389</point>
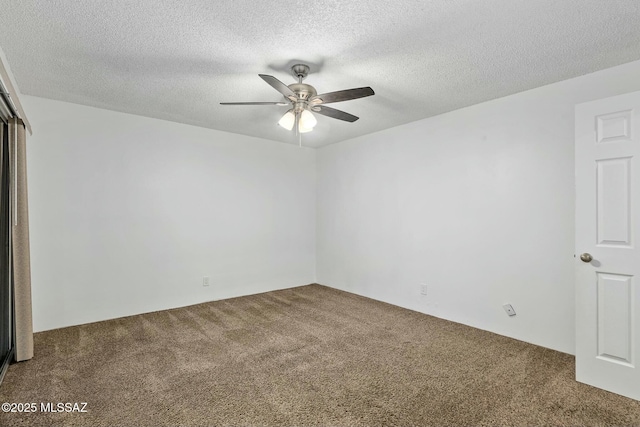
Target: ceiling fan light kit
<point>307,120</point>
<point>288,120</point>
<point>303,98</point>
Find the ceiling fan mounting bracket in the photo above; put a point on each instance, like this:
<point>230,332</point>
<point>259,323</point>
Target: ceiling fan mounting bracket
<point>300,71</point>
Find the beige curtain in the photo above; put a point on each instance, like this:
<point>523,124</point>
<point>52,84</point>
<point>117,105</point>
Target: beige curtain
<point>20,240</point>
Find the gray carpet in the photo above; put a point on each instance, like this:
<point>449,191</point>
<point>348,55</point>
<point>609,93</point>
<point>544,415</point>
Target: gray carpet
<point>304,356</point>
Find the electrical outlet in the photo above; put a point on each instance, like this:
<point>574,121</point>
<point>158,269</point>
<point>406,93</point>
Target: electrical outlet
<point>205,281</point>
<point>510,311</point>
<point>423,289</point>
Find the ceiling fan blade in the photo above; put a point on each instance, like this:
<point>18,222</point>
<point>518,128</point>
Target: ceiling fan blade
<point>343,95</point>
<point>254,103</point>
<point>278,85</point>
<point>333,113</point>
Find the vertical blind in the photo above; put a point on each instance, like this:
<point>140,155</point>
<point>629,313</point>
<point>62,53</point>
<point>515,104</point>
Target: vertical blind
<point>19,266</point>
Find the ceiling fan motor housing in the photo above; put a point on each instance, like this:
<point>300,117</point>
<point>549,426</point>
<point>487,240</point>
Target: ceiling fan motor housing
<point>303,92</point>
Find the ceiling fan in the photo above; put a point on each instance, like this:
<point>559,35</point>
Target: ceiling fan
<point>303,99</point>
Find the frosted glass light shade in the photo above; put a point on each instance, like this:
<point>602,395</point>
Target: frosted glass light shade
<point>307,121</point>
<point>288,120</point>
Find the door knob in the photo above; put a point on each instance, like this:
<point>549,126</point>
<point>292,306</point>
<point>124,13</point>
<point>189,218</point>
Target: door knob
<point>585,257</point>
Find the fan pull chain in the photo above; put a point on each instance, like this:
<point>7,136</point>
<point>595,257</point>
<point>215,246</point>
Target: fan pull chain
<point>298,129</point>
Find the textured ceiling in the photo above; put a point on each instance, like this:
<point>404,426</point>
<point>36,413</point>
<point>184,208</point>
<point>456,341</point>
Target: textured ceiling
<point>176,60</point>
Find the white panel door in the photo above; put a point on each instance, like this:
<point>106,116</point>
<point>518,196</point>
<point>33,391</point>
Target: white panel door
<point>607,253</point>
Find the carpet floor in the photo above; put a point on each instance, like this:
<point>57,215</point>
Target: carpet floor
<point>305,356</point>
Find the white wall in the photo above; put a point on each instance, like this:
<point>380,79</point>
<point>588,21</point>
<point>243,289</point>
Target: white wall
<point>477,203</point>
<point>129,213</point>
